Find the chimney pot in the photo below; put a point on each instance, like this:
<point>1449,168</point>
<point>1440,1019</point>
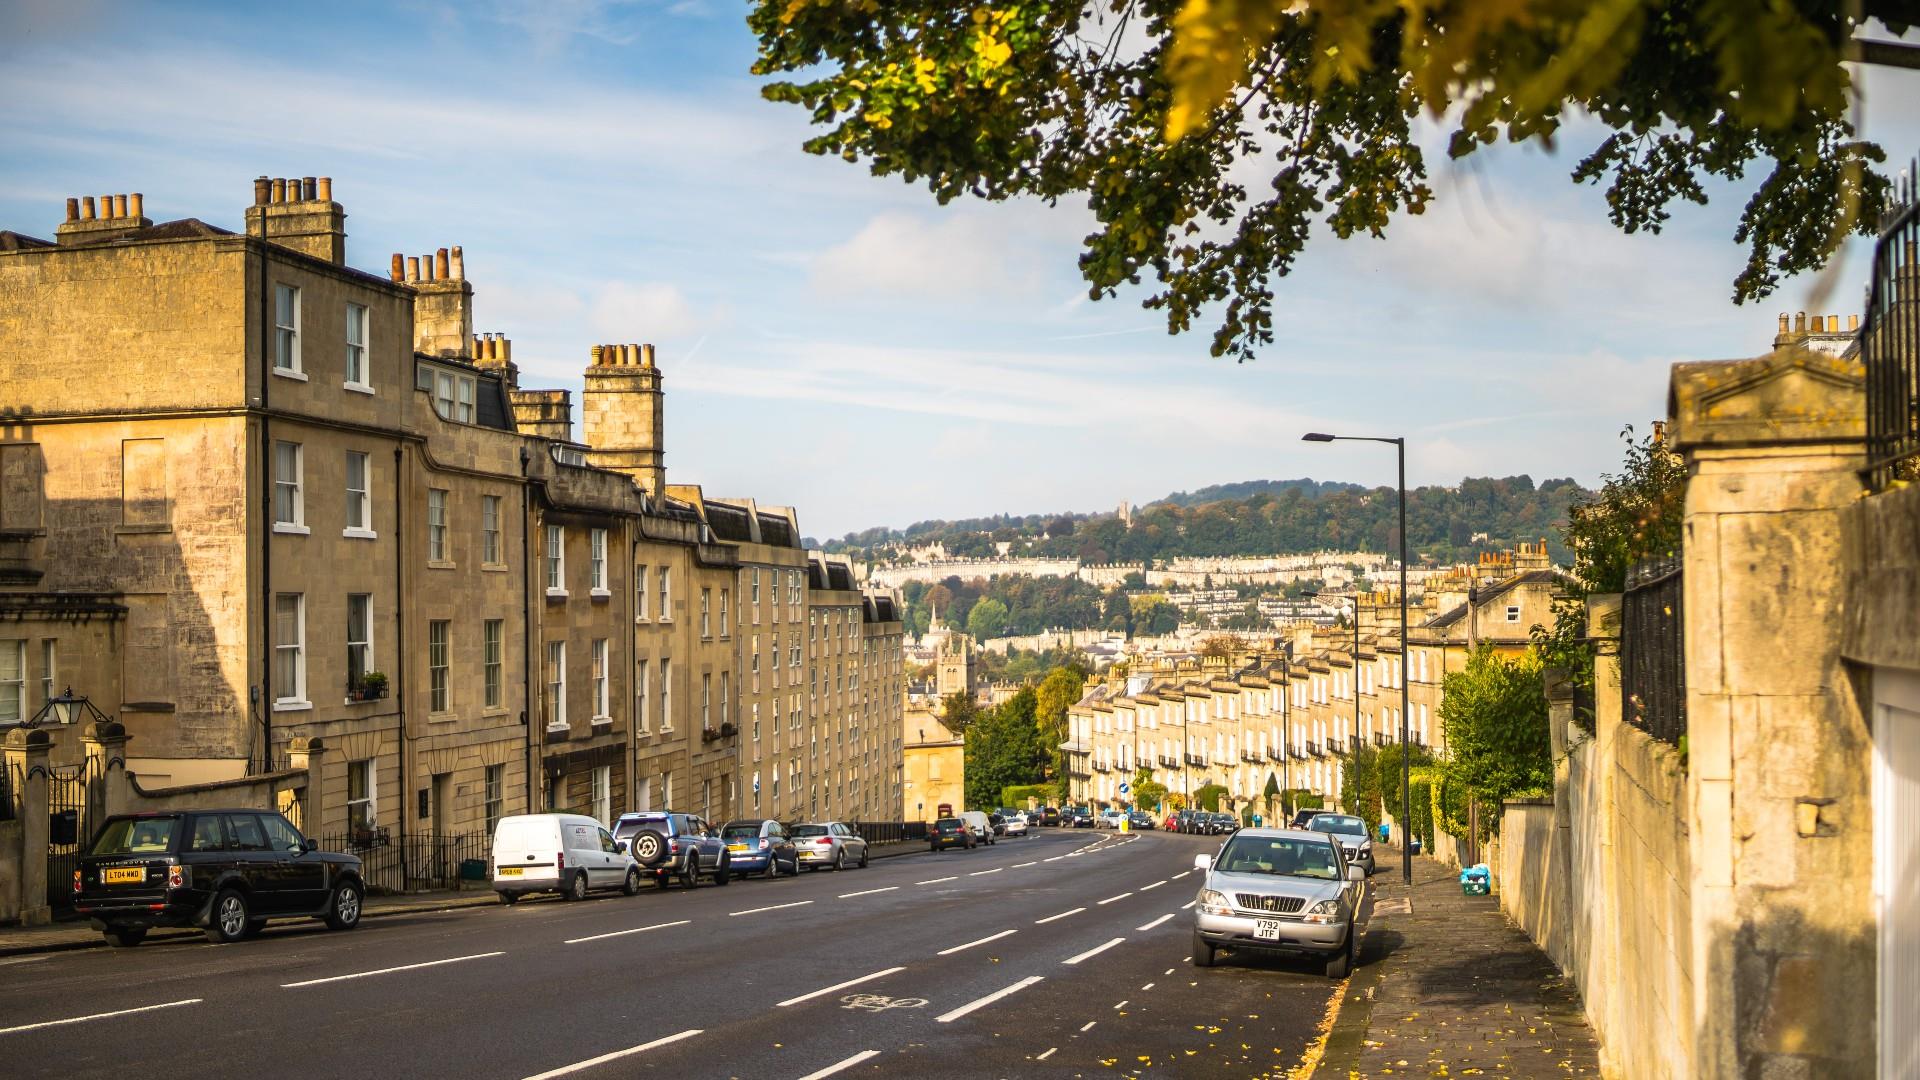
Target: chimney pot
<point>506,348</point>
<point>1853,322</point>
<point>1784,321</point>
<point>426,267</point>
<point>492,348</point>
<point>476,354</point>
<point>119,206</point>
<point>646,355</point>
<point>440,270</point>
<point>599,353</point>
<point>399,270</point>
<point>262,190</point>
<point>309,188</point>
<point>325,193</point>
<point>137,205</point>
<point>73,209</point>
<point>413,268</point>
<point>106,207</point>
<point>279,191</point>
<point>1800,322</point>
<point>1816,324</point>
<point>86,208</point>
<point>458,267</point>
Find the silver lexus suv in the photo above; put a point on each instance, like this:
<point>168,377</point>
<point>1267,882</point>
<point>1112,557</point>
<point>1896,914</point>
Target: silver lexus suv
<point>1278,890</point>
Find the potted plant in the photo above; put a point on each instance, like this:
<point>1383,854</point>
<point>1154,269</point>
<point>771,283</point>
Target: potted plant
<point>373,685</point>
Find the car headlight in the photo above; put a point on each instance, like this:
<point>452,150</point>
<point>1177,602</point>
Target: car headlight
<point>1212,902</point>
<point>1326,911</point>
<point>1366,847</point>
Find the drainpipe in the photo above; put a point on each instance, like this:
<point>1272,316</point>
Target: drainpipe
<point>400,683</point>
<point>266,520</point>
<point>526,618</point>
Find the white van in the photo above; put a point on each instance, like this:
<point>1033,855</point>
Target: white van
<point>979,825</point>
<point>564,853</point>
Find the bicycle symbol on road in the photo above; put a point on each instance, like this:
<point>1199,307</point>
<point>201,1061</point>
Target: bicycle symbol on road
<point>880,1002</point>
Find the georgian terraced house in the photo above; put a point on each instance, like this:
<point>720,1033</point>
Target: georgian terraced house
<point>254,500</point>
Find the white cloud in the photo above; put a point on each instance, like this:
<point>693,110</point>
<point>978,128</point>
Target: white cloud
<point>952,255</point>
<point>642,311</point>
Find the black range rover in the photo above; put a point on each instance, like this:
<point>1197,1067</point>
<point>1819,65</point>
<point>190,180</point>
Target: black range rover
<point>228,871</point>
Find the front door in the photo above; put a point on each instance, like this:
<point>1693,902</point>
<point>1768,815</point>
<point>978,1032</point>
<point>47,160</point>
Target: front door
<point>1896,865</point>
<point>442,853</point>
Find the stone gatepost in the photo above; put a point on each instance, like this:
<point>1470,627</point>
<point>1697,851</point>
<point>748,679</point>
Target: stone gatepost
<point>106,749</point>
<point>305,810</point>
<point>26,751</point>
<point>1779,751</point>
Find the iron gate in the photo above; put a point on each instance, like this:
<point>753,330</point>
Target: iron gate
<point>69,790</point>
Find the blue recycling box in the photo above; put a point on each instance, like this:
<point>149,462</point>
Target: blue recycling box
<point>1476,880</point>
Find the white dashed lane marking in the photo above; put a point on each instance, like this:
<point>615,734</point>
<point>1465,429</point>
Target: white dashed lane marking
<point>391,970</point>
<point>1095,951</point>
<point>100,1016</point>
<point>867,892</point>
<point>839,1065</point>
<point>1062,915</point>
<point>1156,922</point>
<point>1111,899</point>
<point>838,986</point>
<point>971,944</point>
<point>769,907</point>
<point>938,880</point>
<point>980,1003</point>
<point>623,933</point>
<point>581,1066</point>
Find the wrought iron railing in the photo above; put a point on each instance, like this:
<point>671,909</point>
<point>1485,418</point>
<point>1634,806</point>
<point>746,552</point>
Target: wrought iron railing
<point>9,787</point>
<point>1890,343</point>
<point>890,832</point>
<point>389,863</point>
<point>1653,656</point>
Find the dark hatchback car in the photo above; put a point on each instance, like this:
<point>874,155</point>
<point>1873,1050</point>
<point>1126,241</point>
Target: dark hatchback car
<point>228,871</point>
<point>949,832</point>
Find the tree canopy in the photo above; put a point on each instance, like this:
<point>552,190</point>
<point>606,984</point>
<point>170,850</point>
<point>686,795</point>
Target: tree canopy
<point>1209,137</point>
<point>1004,747</point>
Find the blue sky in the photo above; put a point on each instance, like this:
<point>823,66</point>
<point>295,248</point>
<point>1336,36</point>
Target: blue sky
<point>840,342</point>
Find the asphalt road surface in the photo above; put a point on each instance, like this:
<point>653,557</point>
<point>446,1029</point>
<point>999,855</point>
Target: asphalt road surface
<point>1064,953</point>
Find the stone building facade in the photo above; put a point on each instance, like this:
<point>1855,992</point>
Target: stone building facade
<point>253,499</point>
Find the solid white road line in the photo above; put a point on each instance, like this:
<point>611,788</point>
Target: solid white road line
<point>866,892</point>
<point>980,1003</point>
<point>580,1066</point>
<point>1018,865</point>
<point>391,970</point>
<point>22,960</point>
<point>1088,1026</point>
<point>838,1065</point>
<point>1056,858</point>
<point>982,873</point>
<point>938,880</point>
<point>770,907</point>
<point>1048,1054</point>
<point>1095,951</point>
<point>1156,922</point>
<point>838,986</point>
<point>971,944</point>
<point>99,1016</point>
<point>1111,899</point>
<point>1155,885</point>
<point>1181,874</point>
<point>1062,915</point>
<point>623,933</point>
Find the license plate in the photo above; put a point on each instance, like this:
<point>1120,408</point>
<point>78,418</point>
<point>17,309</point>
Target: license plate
<point>124,875</point>
<point>809,854</point>
<point>736,847</point>
<point>510,871</point>
<point>1267,929</point>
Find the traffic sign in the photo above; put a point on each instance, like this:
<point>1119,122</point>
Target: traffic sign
<point>1124,788</point>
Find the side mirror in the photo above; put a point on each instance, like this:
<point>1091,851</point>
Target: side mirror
<point>309,844</point>
<point>1203,862</point>
<point>1356,872</point>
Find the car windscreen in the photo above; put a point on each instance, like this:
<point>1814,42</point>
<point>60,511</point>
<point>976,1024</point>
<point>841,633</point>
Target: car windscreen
<point>948,823</point>
<point>1345,826</point>
<point>809,830</point>
<point>1280,856</point>
<point>136,836</point>
<point>740,830</point>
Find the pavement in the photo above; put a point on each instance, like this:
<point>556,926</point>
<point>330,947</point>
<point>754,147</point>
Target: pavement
<point>1063,954</point>
<point>1448,987</point>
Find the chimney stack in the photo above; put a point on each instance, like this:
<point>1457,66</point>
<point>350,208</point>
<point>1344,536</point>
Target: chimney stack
<point>623,414</point>
<point>299,213</point>
<point>91,218</point>
<point>443,306</point>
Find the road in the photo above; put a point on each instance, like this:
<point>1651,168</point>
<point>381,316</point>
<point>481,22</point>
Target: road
<point>1060,954</point>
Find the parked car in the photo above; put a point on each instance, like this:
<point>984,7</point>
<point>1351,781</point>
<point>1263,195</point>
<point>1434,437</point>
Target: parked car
<point>1049,815</point>
<point>1183,821</point>
<point>1351,832</point>
<point>761,844</point>
<point>1224,823</point>
<point>1110,819</point>
<point>569,854</point>
<point>997,822</point>
<point>950,832</point>
<point>1016,823</point>
<point>1301,817</point>
<point>979,824</point>
<point>1172,823</point>
<point>674,847</point>
<point>1033,818</point>
<point>1078,817</point>
<point>228,871</point>
<point>1139,819</point>
<point>830,843</point>
<point>1277,890</point>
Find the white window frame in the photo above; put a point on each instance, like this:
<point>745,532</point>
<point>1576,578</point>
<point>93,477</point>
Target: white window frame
<point>359,322</point>
<point>363,643</point>
<point>602,792</point>
<point>292,490</point>
<point>492,547</point>
<point>666,694</point>
<point>640,584</point>
<point>438,549</point>
<point>440,666</point>
<point>49,654</point>
<point>666,594</point>
<point>706,617</point>
<point>453,396</point>
<point>706,701</point>
<point>597,562</point>
<point>493,636</point>
<point>602,707</point>
<point>726,596</point>
<point>294,652</point>
<point>554,678</point>
<point>370,776</point>
<point>642,686</point>
<point>1513,613</point>
<point>13,688</point>
<point>286,332</point>
<point>556,560</point>
<point>360,499</point>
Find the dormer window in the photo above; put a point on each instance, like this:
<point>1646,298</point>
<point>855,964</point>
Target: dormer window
<point>453,396</point>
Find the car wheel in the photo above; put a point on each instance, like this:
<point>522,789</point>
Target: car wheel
<point>863,857</point>
<point>690,871</point>
<point>577,886</point>
<point>1342,962</point>
<point>839,859</point>
<point>509,898</point>
<point>343,909</point>
<point>724,872</point>
<point>228,919</point>
<point>646,847</point>
<point>126,937</point>
<point>1203,951</point>
<point>632,883</point>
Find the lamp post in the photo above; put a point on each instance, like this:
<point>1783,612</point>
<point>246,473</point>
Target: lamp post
<point>1406,786</point>
<point>65,709</point>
